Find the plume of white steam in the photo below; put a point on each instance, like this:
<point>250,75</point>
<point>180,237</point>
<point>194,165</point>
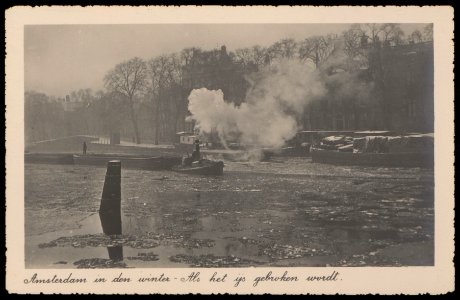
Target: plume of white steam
<point>276,98</point>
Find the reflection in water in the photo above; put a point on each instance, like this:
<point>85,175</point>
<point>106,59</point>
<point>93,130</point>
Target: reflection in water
<point>233,248</point>
<point>115,253</point>
<point>110,209</point>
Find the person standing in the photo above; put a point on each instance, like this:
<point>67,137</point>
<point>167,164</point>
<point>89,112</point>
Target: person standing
<point>196,153</point>
<point>84,148</point>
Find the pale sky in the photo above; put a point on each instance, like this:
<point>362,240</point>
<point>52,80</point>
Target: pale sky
<point>63,58</point>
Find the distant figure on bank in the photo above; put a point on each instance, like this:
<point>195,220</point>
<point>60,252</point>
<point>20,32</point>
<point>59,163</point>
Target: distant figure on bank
<point>84,148</point>
<point>196,152</point>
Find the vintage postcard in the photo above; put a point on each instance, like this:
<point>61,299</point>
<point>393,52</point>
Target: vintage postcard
<point>241,150</point>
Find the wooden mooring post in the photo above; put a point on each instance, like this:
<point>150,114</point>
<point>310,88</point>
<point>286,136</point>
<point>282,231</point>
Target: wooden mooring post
<point>110,209</point>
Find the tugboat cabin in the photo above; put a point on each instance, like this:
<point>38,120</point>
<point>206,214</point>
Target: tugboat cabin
<point>185,141</point>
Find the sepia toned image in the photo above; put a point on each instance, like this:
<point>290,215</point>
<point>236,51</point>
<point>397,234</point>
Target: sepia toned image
<point>297,152</point>
<point>310,145</point>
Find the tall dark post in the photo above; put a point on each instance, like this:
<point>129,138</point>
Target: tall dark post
<point>110,209</point>
<point>115,253</point>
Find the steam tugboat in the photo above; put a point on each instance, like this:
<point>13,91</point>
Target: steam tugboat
<point>199,166</point>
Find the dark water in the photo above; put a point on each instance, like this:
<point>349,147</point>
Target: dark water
<point>284,213</point>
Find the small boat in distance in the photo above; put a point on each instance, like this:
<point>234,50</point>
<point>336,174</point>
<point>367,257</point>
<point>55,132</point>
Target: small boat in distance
<point>201,167</point>
<point>49,158</point>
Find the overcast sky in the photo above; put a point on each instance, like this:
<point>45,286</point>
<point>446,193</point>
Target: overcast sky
<point>63,58</point>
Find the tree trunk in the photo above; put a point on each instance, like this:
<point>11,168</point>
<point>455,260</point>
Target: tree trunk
<point>157,124</point>
<point>157,119</point>
<point>387,117</point>
<point>176,118</point>
<point>134,121</point>
<point>316,59</point>
<point>385,113</point>
<point>357,118</point>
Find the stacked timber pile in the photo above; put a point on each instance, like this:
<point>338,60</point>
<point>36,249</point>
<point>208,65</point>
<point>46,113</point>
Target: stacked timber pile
<point>340,143</point>
<point>393,144</point>
<point>414,150</point>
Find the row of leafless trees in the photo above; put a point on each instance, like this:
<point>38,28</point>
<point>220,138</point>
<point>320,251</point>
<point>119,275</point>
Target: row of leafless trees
<point>150,81</point>
<point>317,49</point>
<point>148,95</point>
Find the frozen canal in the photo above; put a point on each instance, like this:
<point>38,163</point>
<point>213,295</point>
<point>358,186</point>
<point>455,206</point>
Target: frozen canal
<point>288,212</point>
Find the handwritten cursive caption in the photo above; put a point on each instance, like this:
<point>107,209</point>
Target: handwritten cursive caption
<point>191,277</point>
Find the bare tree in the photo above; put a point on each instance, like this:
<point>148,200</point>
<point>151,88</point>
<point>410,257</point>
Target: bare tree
<point>255,55</point>
<point>416,36</point>
<point>353,44</point>
<point>359,51</point>
<point>244,56</point>
<point>285,48</point>
<point>186,55</point>
<point>392,32</point>
<point>109,110</point>
<point>373,31</point>
<point>317,49</point>
<point>259,55</point>
<point>428,32</point>
<point>163,71</point>
<point>128,79</point>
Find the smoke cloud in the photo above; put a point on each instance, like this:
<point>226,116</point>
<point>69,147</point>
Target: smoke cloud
<point>276,99</point>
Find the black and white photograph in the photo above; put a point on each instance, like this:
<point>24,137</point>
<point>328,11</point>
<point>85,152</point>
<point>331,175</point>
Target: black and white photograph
<point>229,145</point>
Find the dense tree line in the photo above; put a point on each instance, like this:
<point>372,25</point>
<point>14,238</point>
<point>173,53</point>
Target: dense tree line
<point>146,99</point>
